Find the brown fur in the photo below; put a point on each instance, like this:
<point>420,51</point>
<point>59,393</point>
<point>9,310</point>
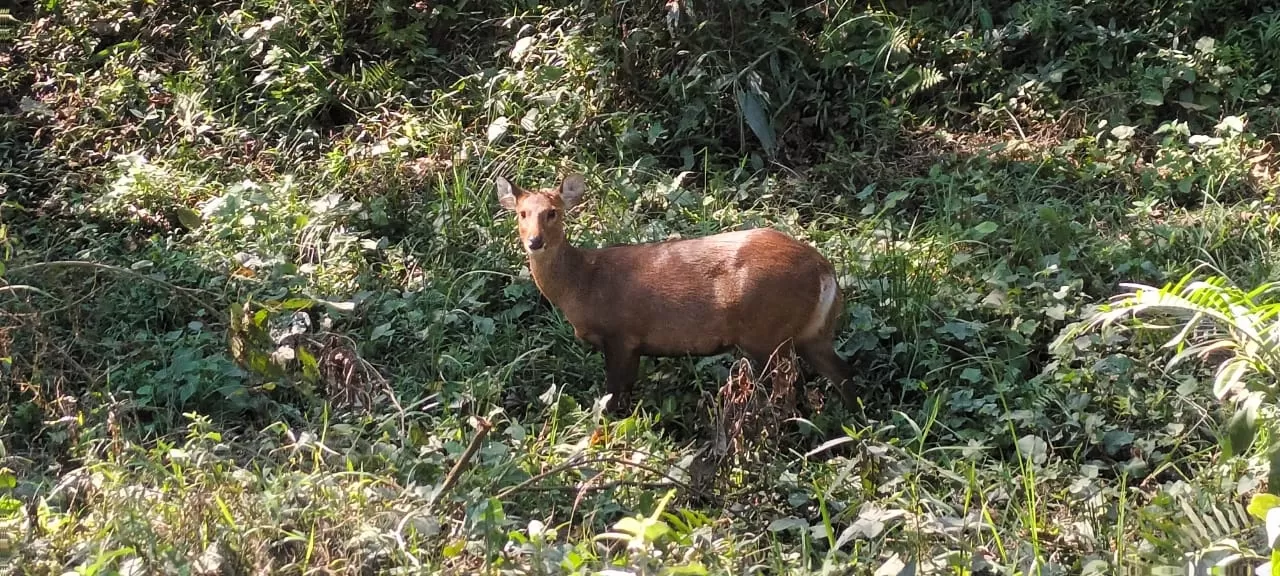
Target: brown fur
<point>755,290</point>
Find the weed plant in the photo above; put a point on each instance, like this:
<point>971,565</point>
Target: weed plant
<point>260,312</point>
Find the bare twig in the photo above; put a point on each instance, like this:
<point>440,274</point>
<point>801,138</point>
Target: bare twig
<point>567,464</point>
<point>579,462</point>
<point>482,431</point>
<point>484,427</point>
<point>14,288</point>
<point>188,292</point>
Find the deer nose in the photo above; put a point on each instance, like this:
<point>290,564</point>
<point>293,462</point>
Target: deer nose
<point>535,243</point>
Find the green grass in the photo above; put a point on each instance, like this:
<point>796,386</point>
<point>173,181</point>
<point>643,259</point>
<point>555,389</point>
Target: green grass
<point>261,313</point>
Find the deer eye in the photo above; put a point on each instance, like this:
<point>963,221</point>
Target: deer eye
<point>551,214</point>
<point>523,214</point>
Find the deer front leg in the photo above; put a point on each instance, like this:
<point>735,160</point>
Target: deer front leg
<point>622,365</point>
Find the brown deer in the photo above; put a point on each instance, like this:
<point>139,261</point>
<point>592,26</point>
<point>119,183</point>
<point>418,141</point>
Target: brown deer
<point>755,290</point>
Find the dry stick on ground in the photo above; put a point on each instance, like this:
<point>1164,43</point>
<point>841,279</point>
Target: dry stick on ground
<point>484,427</point>
<point>14,288</point>
<point>482,431</point>
<point>580,461</point>
<point>188,292</point>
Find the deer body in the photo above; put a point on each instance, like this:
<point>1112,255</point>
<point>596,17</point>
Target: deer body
<point>754,290</point>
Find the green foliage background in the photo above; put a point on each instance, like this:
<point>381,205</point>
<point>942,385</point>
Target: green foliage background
<point>258,295</point>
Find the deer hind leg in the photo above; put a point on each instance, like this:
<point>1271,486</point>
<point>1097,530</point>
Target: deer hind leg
<point>822,357</point>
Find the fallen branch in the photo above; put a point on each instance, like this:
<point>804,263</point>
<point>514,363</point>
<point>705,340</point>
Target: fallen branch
<point>484,427</point>
<point>482,431</point>
<point>188,292</point>
<point>15,288</point>
<point>579,461</point>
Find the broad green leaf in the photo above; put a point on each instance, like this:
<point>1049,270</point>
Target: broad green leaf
<point>1229,374</point>
<point>1122,132</point>
<point>752,110</point>
<point>1114,440</point>
<point>629,525</point>
<point>530,120</point>
<point>310,367</point>
<point>189,218</point>
<point>1260,503</point>
<point>1152,96</point>
<point>382,330</point>
<point>1232,123</point>
<point>655,530</point>
<point>453,549</point>
<point>694,569</point>
<point>1241,430</point>
<point>297,303</point>
<point>985,228</point>
<point>497,129</point>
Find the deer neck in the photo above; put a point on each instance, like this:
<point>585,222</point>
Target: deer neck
<point>562,274</point>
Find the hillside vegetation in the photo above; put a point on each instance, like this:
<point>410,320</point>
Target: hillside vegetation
<point>261,313</point>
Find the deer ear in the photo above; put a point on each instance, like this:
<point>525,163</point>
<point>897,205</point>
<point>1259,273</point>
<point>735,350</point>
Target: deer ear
<point>506,193</point>
<point>572,189</point>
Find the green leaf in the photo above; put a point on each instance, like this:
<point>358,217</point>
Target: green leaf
<point>694,569</point>
<point>310,367</point>
<point>1232,123</point>
<point>827,446</point>
<point>1229,374</point>
<point>1273,473</point>
<point>1114,440</point>
<point>10,507</point>
<point>753,110</point>
<point>530,120</point>
<point>453,549</point>
<point>1151,96</point>
<point>382,330</point>
<point>297,303</point>
<point>1260,503</point>
<point>655,530</point>
<point>189,218</point>
<point>971,374</point>
<point>8,481</point>
<point>788,523</point>
<point>894,197</point>
<point>1242,428</point>
<point>985,229</point>
<point>497,129</point>
<point>629,525</point>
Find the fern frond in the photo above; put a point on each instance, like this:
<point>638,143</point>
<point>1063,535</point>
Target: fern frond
<point>899,41</point>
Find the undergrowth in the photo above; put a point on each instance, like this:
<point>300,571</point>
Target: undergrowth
<point>260,312</point>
